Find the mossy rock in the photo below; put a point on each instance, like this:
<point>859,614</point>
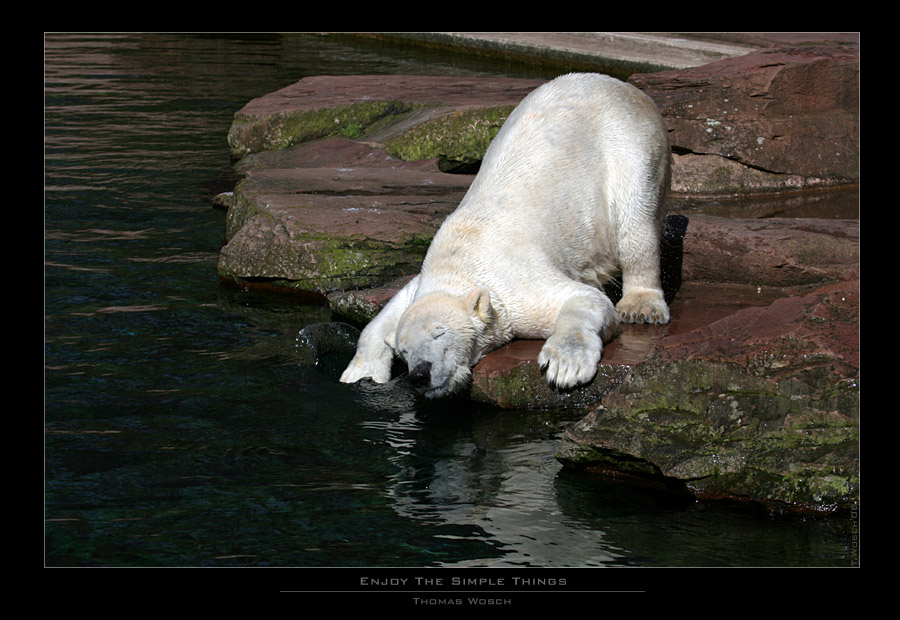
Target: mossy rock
<point>460,137</point>
<point>254,134</point>
<point>724,433</point>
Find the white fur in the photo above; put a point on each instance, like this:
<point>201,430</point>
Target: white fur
<point>570,193</point>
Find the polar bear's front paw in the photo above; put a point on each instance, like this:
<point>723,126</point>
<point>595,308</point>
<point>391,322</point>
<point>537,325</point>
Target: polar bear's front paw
<point>358,369</point>
<point>569,360</point>
<point>646,306</point>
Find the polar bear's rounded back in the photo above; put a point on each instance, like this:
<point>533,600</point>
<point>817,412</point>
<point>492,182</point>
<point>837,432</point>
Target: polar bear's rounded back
<point>578,109</point>
<point>580,135</point>
<point>581,158</point>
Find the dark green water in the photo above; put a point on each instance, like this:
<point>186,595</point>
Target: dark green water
<point>186,424</point>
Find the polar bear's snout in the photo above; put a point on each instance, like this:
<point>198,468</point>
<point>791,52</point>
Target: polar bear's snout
<point>420,375</point>
<point>437,366</point>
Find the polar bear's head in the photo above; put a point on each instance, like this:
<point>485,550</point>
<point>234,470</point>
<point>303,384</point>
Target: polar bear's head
<point>441,336</point>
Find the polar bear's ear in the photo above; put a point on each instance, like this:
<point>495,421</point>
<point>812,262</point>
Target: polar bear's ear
<point>478,301</point>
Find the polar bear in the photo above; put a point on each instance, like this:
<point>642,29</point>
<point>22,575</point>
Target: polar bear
<point>570,193</point>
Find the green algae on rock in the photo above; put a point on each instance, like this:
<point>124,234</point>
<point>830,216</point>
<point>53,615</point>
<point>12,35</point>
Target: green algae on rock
<point>256,133</point>
<point>461,136</point>
<point>761,406</point>
<point>315,263</point>
<point>511,378</point>
<point>328,229</point>
<point>376,108</point>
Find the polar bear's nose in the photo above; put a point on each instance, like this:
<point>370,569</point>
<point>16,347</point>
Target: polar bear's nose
<point>420,374</point>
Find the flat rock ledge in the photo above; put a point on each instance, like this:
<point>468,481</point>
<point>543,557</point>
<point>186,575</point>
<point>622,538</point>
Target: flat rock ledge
<point>751,392</point>
<point>333,215</point>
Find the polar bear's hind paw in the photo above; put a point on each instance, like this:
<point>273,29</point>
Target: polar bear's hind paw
<point>647,307</point>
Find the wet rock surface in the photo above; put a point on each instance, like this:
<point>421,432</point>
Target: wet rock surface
<point>751,392</point>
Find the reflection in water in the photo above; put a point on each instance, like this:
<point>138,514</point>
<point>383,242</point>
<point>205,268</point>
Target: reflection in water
<point>508,493</point>
<point>497,482</point>
<point>493,475</point>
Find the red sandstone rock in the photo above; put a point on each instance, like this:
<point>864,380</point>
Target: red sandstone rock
<point>780,252</point>
<point>785,111</point>
<point>328,91</point>
<point>821,327</point>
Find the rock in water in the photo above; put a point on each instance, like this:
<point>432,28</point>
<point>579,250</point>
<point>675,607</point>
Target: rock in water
<point>332,345</point>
